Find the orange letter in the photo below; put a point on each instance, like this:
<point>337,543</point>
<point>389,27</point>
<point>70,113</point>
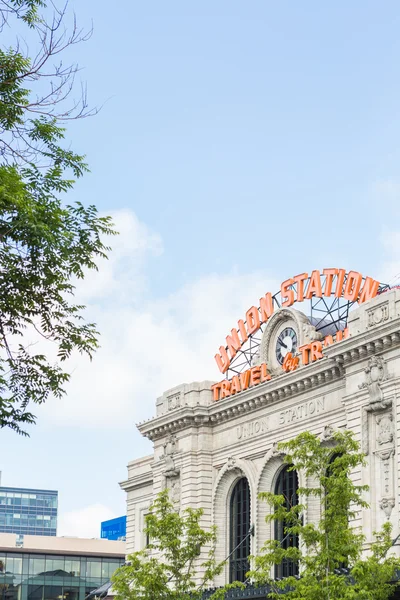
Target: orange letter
<point>233,343</point>
<point>252,320</point>
<point>352,287</point>
<point>328,341</point>
<point>242,330</point>
<point>286,293</point>
<point>244,380</point>
<point>235,385</point>
<point>316,351</point>
<point>329,275</point>
<point>342,335</point>
<point>216,388</point>
<point>299,279</point>
<point>370,290</point>
<point>265,376</point>
<point>314,287</point>
<point>225,388</point>
<point>266,307</point>
<point>304,353</point>
<point>339,283</point>
<point>222,360</point>
<point>255,375</point>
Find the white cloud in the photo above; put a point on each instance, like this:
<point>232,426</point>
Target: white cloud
<point>147,345</point>
<point>84,522</point>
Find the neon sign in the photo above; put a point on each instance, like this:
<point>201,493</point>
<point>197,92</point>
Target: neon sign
<point>351,286</point>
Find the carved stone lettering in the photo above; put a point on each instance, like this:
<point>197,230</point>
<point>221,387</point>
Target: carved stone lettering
<point>252,428</point>
<point>378,315</point>
<point>302,411</point>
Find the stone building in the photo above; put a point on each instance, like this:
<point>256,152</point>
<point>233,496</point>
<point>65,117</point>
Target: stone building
<point>214,449</point>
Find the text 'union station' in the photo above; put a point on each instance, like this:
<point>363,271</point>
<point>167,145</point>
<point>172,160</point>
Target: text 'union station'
<point>331,361</point>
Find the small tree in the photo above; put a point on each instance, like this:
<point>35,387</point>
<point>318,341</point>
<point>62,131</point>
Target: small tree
<point>330,552</point>
<point>166,569</point>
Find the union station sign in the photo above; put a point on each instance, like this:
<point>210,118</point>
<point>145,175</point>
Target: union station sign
<point>289,339</point>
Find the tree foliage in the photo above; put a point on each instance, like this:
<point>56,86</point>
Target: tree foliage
<point>45,244</point>
<point>331,544</point>
<point>166,569</point>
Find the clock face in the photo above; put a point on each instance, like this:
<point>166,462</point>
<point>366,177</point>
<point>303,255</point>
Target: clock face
<point>285,343</point>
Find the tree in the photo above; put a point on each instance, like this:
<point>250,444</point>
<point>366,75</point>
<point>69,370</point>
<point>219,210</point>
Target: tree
<point>45,244</point>
<point>330,552</point>
<point>166,569</point>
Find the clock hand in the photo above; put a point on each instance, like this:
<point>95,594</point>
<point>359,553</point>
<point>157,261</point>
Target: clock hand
<point>282,344</point>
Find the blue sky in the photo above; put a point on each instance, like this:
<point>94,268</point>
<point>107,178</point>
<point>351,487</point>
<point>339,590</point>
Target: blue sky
<point>239,144</point>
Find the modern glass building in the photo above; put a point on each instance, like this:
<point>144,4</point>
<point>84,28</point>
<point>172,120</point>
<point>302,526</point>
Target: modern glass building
<point>114,529</point>
<point>28,511</point>
<point>33,576</point>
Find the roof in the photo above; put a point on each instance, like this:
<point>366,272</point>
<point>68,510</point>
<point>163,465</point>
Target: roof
<point>46,544</point>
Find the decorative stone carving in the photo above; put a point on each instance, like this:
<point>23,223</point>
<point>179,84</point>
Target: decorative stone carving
<point>275,452</point>
<point>375,373</point>
<point>327,434</point>
<point>387,501</point>
<point>378,314</point>
<point>175,490</point>
<point>168,457</point>
<point>310,334</point>
<point>231,463</point>
<point>387,505</point>
<point>174,401</point>
<point>385,429</point>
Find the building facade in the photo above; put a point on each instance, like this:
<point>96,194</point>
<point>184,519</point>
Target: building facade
<point>28,511</point>
<point>114,529</point>
<point>52,568</point>
<point>215,445</point>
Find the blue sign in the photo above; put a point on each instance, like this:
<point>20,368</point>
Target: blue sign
<point>114,529</point>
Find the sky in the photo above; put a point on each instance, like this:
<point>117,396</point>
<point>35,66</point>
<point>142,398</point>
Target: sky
<point>238,144</point>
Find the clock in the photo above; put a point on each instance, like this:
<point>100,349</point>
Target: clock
<point>285,342</point>
<point>285,331</point>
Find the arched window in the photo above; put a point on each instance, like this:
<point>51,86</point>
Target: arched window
<point>287,485</point>
<point>239,531</point>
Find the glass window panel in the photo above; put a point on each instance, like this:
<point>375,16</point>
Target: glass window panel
<point>71,593</point>
<point>35,592</point>
<point>53,592</point>
<point>17,565</point>
<point>2,563</point>
<point>93,568</point>
<point>9,591</point>
<point>73,567</point>
<point>36,566</point>
<point>54,564</point>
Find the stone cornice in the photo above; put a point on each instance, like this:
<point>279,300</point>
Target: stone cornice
<point>327,370</point>
<point>137,481</point>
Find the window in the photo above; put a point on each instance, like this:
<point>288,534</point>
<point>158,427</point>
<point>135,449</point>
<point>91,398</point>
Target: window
<point>286,485</point>
<point>239,531</point>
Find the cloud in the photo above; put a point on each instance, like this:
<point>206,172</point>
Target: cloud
<point>147,345</point>
<point>84,522</point>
